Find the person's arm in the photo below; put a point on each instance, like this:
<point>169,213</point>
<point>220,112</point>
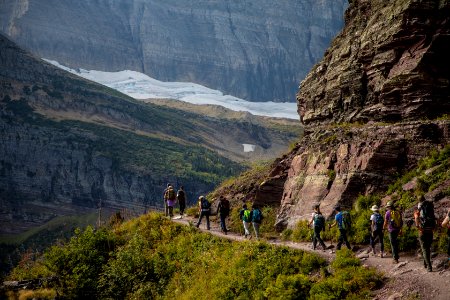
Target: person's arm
<point>386,221</point>
<point>312,220</point>
<point>446,220</point>
<point>416,218</point>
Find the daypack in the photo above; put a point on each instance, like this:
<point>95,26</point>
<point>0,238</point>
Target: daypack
<point>205,204</point>
<point>396,219</point>
<point>257,216</point>
<point>224,207</point>
<point>246,216</point>
<point>181,196</point>
<point>171,195</point>
<point>427,218</point>
<point>346,220</point>
<point>379,221</point>
<point>319,221</point>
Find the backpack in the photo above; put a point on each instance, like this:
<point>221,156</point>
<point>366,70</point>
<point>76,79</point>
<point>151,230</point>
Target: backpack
<point>181,196</point>
<point>224,207</point>
<point>427,218</point>
<point>257,216</point>
<point>346,221</point>
<point>171,195</point>
<point>246,217</point>
<point>396,219</point>
<point>379,221</point>
<point>319,221</point>
<point>205,204</point>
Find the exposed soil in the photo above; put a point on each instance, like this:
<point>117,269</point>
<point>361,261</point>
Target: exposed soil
<point>406,280</point>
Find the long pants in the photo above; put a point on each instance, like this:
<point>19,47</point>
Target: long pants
<point>317,238</point>
<point>246,228</point>
<point>375,237</point>
<point>393,238</point>
<point>256,228</point>
<point>342,239</point>
<point>425,240</point>
<point>182,207</point>
<point>448,245</point>
<point>166,208</point>
<point>170,208</point>
<point>223,226</point>
<point>206,215</point>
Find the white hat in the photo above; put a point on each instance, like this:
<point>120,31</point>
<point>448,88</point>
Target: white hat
<point>375,208</point>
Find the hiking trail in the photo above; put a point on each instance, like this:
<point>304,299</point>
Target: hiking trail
<point>406,280</point>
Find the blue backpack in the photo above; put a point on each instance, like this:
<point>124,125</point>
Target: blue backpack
<point>379,221</point>
<point>257,216</point>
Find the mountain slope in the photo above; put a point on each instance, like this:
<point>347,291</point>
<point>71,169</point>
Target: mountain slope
<point>257,50</point>
<point>69,145</point>
<point>375,105</point>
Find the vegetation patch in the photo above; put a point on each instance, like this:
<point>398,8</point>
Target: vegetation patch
<point>151,257</point>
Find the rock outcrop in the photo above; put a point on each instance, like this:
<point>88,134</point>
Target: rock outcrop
<point>377,103</point>
<point>257,50</point>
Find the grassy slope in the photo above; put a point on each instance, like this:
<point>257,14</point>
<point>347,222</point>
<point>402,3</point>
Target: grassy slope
<point>151,257</point>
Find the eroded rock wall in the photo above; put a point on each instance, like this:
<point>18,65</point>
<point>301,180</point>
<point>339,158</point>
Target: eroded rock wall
<point>257,49</point>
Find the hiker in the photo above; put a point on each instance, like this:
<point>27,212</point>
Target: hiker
<point>256,217</point>
<point>446,223</point>
<point>223,210</point>
<point>170,199</point>
<point>181,198</point>
<point>318,222</point>
<point>165,197</point>
<point>204,210</point>
<point>245,217</point>
<point>426,223</point>
<point>393,222</point>
<point>342,220</point>
<point>376,230</point>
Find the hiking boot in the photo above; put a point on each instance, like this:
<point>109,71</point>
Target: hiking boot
<point>429,269</point>
<point>395,261</point>
<point>381,254</point>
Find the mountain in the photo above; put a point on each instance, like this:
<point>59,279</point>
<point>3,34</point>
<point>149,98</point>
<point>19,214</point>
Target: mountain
<point>69,146</point>
<point>257,50</point>
<point>373,107</point>
<point>143,87</point>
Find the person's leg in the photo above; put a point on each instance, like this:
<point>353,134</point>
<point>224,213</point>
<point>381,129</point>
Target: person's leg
<point>247,232</point>
<point>319,239</point>
<point>166,209</point>
<point>182,207</point>
<point>171,211</point>
<point>448,244</point>
<point>256,228</point>
<point>425,240</point>
<point>340,240</point>
<point>222,222</point>
<point>381,237</point>
<point>394,244</point>
<point>200,219</point>
<point>207,221</point>
<point>372,241</point>
<point>314,239</point>
<point>346,240</point>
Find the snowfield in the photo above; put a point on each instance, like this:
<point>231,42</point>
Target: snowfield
<point>141,86</point>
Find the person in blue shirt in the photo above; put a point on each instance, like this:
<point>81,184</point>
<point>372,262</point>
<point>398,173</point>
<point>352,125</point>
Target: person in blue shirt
<point>339,221</point>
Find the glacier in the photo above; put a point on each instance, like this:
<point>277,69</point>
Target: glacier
<point>141,87</point>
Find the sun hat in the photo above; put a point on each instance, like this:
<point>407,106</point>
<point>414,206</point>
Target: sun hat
<point>390,204</point>
<point>375,208</point>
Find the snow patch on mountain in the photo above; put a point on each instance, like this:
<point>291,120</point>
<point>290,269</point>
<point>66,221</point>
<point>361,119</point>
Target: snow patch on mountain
<point>141,86</point>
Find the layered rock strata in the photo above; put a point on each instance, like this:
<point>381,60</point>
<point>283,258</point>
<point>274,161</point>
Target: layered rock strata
<point>257,50</point>
<point>377,103</point>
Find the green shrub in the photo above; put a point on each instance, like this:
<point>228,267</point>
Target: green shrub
<point>288,287</point>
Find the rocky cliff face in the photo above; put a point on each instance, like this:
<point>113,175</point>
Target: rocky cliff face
<point>377,103</point>
<point>257,50</point>
<point>69,146</point>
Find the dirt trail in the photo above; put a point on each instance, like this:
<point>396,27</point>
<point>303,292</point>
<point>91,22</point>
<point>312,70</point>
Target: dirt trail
<point>406,280</point>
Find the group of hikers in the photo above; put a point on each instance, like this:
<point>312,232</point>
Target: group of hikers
<point>171,198</point>
<point>392,221</point>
